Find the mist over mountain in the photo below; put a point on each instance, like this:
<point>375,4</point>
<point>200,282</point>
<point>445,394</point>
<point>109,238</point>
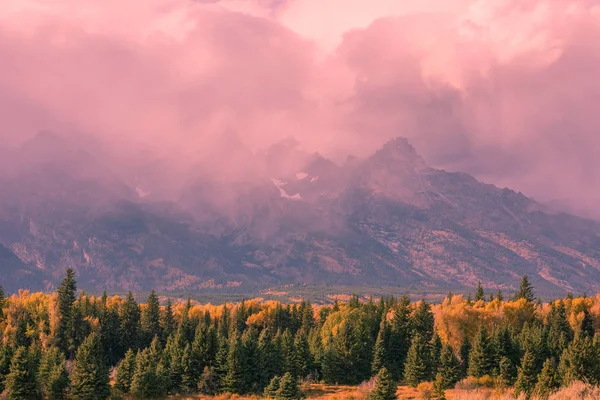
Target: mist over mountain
<point>287,216</point>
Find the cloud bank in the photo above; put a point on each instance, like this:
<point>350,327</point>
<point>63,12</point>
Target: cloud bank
<point>506,90</point>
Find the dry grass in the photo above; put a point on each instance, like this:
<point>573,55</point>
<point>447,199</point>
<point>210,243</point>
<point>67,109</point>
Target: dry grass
<point>577,391</point>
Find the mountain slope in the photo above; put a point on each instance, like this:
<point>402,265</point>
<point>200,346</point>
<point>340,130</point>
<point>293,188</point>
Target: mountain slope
<point>388,219</point>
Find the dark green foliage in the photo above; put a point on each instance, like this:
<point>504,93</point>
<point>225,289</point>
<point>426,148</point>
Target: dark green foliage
<point>6,353</point>
<point>560,333</point>
<point>21,381</point>
<point>89,379</point>
<point>439,389</point>
<point>385,388</point>
<point>587,324</point>
<point>272,388</point>
<point>208,384</point>
<point>547,380</point>
<point>400,335</point>
<point>435,352</point>
<point>288,388</point>
<point>52,374</point>
<point>449,367</point>
<point>129,323</point>
<point>66,323</point>
<point>479,295</point>
<point>302,355</point>
<point>415,369</point>
<point>527,376</point>
<point>236,380</point>
<point>150,379</point>
<point>125,372</point>
<point>507,372</point>
<point>579,361</point>
<point>481,357</point>
<point>525,290</point>
<point>167,322</point>
<point>150,320</point>
<point>422,321</point>
<point>380,354</point>
<point>465,350</point>
<point>110,327</point>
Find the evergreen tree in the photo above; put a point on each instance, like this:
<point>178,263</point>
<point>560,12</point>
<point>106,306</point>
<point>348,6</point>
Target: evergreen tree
<point>90,376</point>
<point>479,295</point>
<point>560,333</point>
<point>167,322</point>
<point>235,380</point>
<point>66,299</point>
<point>150,319</point>
<point>110,331</point>
<point>481,357</point>
<point>302,355</point>
<point>499,296</point>
<point>21,381</point>
<point>6,354</point>
<point>422,321</point>
<point>415,369</point>
<point>547,381</point>
<point>400,334</point>
<point>288,353</point>
<point>129,323</point>
<point>269,356</point>
<point>125,372</point>
<point>439,390</point>
<point>150,377</point>
<point>208,384</point>
<point>525,290</point>
<point>272,388</point>
<point>587,324</point>
<point>385,388</point>
<point>449,368</point>
<point>380,352</point>
<point>435,352</point>
<point>288,388</point>
<point>527,375</point>
<point>465,350</point>
<point>579,361</point>
<point>52,374</point>
<point>507,372</point>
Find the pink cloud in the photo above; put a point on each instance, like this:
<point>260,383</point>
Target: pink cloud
<point>503,89</point>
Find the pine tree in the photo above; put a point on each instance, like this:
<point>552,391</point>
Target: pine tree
<point>287,353</point>
<point>6,354</point>
<point>288,388</point>
<point>547,381</point>
<point>560,333</point>
<point>579,361</point>
<point>148,381</point>
<point>302,355</point>
<point>400,334</point>
<point>587,324</point>
<point>499,296</point>
<point>269,356</point>
<point>415,369</point>
<point>481,357</point>
<point>449,368</point>
<point>439,389</point>
<point>525,290</point>
<point>150,320</point>
<point>479,295</point>
<point>52,374</point>
<point>208,384</point>
<point>527,375</point>
<point>90,376</point>
<point>125,372</point>
<point>507,372</point>
<point>465,350</point>
<point>130,322</point>
<point>380,351</point>
<point>21,381</point>
<point>385,388</point>
<point>167,322</point>
<point>109,331</point>
<point>272,388</point>
<point>66,299</point>
<point>422,321</point>
<point>235,380</point>
<point>435,352</point>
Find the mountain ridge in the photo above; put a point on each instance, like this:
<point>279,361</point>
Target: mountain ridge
<point>294,217</point>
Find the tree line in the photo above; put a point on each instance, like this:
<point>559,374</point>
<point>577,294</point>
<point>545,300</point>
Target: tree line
<point>68,345</point>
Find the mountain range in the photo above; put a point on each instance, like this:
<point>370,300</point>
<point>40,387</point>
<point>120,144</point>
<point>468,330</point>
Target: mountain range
<point>242,220</point>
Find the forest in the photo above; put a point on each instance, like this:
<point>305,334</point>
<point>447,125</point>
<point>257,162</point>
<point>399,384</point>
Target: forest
<point>69,345</point>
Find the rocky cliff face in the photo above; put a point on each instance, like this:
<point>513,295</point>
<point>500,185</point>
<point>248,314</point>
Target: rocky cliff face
<point>389,219</point>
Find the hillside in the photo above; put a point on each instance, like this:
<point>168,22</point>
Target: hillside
<point>287,217</point>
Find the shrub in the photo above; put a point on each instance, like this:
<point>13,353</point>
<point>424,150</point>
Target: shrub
<point>425,390</point>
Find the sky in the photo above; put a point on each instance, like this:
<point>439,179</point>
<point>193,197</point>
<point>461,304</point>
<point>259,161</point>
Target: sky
<point>506,90</point>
